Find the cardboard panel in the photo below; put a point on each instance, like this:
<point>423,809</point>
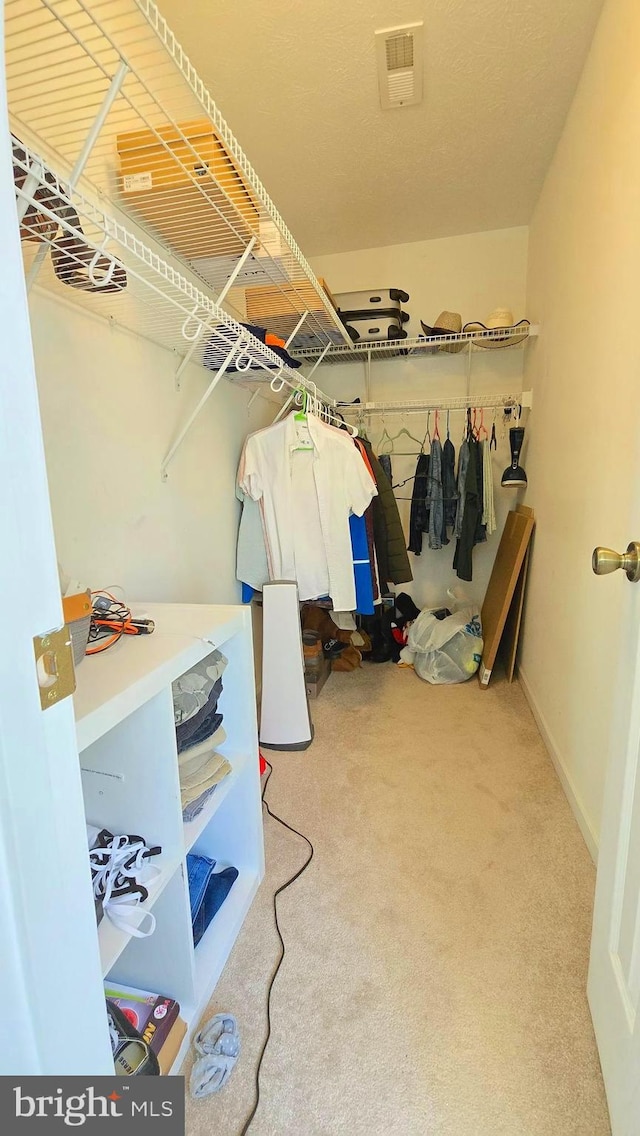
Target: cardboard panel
<point>511,633</point>
<point>503,583</point>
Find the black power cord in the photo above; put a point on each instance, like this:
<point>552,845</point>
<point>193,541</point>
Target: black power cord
<point>283,887</point>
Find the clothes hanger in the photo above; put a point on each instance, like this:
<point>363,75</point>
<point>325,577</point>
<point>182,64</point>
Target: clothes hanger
<point>403,432</point>
<point>427,433</point>
<point>448,413</point>
<point>301,416</point>
<point>436,432</point>
<point>475,429</point>
<point>493,444</point>
<point>385,439</point>
<point>482,429</point>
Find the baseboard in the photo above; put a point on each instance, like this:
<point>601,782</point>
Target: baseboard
<point>577,807</point>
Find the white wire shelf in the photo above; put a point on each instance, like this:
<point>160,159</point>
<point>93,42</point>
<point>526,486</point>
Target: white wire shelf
<point>102,90</point>
<point>419,346</point>
<point>97,264</point>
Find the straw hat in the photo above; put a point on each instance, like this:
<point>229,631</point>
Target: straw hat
<point>447,323</point>
<point>500,320</point>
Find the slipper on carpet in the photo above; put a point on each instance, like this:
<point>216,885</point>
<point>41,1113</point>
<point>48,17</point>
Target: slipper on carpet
<point>218,1047</point>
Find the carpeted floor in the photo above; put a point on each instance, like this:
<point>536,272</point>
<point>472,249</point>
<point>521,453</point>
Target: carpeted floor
<point>437,947</point>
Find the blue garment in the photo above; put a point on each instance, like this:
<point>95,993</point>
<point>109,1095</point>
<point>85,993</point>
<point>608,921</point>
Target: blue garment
<point>361,565</point>
<point>434,495</point>
<point>207,891</point>
<point>385,462</point>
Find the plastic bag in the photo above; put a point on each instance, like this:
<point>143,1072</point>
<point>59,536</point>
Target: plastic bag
<point>446,650</point>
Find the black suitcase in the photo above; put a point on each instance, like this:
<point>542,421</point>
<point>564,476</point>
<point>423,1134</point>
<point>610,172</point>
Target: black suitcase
<point>379,299</point>
<point>366,327</point>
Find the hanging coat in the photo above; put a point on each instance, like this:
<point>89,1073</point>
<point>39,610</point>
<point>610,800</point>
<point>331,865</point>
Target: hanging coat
<point>449,490</point>
<point>393,562</point>
<point>419,517</point>
<point>472,529</point>
<point>463,465</point>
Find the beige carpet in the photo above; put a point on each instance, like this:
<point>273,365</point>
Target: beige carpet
<point>437,947</point>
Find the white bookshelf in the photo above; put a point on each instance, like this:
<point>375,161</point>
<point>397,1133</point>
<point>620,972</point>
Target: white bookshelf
<point>128,757</point>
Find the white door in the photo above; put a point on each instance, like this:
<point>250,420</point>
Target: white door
<point>614,972</point>
<point>50,981</point>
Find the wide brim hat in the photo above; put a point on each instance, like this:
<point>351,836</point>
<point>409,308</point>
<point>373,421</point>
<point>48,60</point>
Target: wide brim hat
<point>500,321</point>
<point>447,323</point>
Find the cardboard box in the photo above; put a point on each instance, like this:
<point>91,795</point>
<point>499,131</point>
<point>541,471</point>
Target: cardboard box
<point>77,615</point>
<point>279,308</point>
<point>185,185</point>
<point>315,680</point>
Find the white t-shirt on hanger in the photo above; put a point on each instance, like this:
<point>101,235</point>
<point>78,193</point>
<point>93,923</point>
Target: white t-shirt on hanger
<point>340,483</point>
<point>312,569</point>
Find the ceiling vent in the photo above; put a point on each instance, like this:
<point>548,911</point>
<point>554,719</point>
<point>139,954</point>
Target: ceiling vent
<point>399,52</point>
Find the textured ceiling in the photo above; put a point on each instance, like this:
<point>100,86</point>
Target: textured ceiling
<point>297,83</point>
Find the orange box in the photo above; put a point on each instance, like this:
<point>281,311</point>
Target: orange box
<point>76,607</point>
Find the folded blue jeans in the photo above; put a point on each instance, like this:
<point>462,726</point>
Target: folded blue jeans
<point>207,891</point>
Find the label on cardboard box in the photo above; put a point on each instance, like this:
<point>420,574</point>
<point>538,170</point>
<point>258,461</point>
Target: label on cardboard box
<point>133,182</point>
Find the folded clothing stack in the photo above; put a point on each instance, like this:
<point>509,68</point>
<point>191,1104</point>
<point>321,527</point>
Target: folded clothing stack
<point>201,769</point>
<point>199,731</point>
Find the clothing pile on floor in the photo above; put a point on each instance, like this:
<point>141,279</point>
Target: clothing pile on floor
<point>199,731</point>
<point>319,508</point>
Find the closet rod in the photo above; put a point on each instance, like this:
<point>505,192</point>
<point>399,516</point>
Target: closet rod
<point>486,402</point>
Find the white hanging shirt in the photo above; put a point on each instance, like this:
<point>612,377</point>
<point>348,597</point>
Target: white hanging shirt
<point>306,499</point>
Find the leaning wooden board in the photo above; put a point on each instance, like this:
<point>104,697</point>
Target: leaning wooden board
<point>509,560</point>
<point>511,634</point>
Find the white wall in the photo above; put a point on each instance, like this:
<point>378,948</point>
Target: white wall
<point>109,412</point>
<point>584,263</point>
<point>473,275</point>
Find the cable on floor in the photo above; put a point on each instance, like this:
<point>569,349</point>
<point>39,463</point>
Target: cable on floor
<point>274,975</point>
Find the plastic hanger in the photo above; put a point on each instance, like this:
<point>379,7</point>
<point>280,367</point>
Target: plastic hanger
<point>493,444</point>
<point>404,432</point>
<point>427,433</point>
<point>482,429</point>
<point>436,432</point>
<point>385,439</point>
<point>448,413</point>
<point>301,417</point>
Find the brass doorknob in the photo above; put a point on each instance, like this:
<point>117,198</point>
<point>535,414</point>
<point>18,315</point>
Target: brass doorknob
<point>605,560</point>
